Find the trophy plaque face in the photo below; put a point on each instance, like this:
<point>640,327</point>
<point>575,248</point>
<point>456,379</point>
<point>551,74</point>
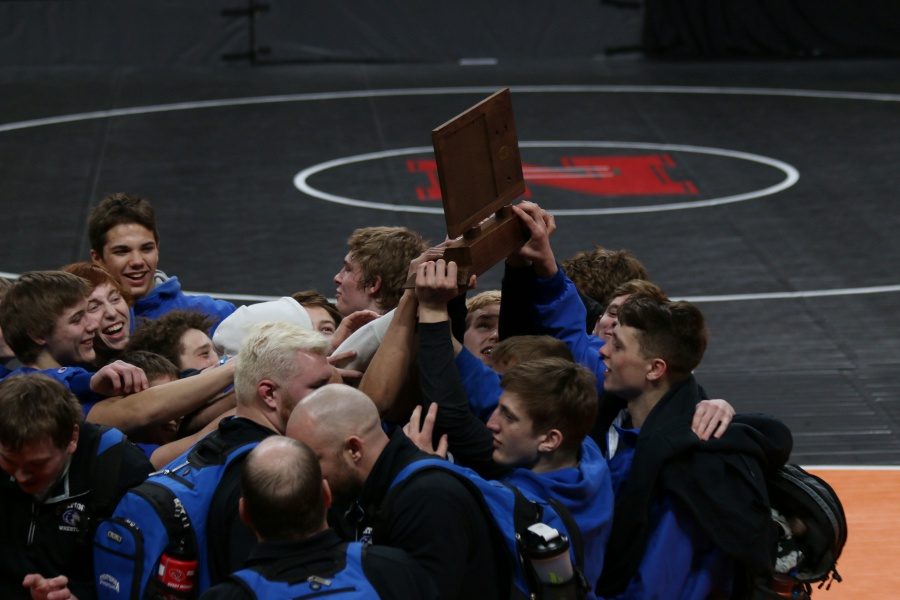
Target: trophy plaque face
<point>478,163</point>
<point>480,173</point>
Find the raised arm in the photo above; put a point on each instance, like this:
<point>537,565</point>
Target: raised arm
<point>388,371</point>
<point>386,379</point>
<point>162,402</point>
<point>470,441</point>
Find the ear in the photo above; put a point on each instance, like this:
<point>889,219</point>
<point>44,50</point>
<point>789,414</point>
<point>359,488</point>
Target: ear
<point>657,370</point>
<point>354,448</point>
<point>40,340</point>
<point>243,514</point>
<point>96,258</point>
<point>265,389</point>
<point>373,289</point>
<point>326,494</point>
<point>553,439</point>
<point>73,443</point>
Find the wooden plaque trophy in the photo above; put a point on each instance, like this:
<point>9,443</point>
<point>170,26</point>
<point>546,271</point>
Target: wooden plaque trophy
<point>480,173</point>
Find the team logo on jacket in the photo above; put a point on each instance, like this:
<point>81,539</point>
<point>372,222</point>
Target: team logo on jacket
<point>366,536</point>
<point>72,517</point>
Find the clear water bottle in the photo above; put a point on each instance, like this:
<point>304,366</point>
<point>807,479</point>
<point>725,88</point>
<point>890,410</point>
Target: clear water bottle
<point>548,551</point>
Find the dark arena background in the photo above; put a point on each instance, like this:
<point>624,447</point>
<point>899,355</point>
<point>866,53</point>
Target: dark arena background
<point>747,152</point>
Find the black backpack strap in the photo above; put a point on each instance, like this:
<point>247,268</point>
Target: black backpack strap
<point>525,514</point>
<point>573,530</point>
<point>105,469</point>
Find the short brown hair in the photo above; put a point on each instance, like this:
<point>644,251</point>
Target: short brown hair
<point>5,284</point>
<point>640,287</point>
<point>154,365</point>
<point>163,335</point>
<point>97,275</point>
<point>385,252</point>
<point>556,394</point>
<point>523,348</point>
<point>284,500</point>
<point>314,298</point>
<point>33,304</point>
<point>597,272</point>
<point>118,209</point>
<point>673,331</point>
<point>36,407</point>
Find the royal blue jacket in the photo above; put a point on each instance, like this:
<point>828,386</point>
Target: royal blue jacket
<point>680,562</point>
<point>167,296</point>
<point>586,490</point>
<point>561,314</point>
<point>76,379</point>
<point>480,383</point>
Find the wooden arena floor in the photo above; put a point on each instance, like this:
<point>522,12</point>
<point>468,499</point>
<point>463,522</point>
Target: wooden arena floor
<point>869,564</point>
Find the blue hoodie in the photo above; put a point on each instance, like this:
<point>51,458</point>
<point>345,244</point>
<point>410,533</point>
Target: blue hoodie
<point>167,296</point>
<point>76,379</point>
<point>586,491</point>
<point>680,562</point>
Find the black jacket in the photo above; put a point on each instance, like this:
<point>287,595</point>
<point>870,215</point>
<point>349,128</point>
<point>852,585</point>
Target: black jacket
<point>436,519</point>
<point>229,539</point>
<point>390,571</point>
<point>720,482</point>
<point>55,537</point>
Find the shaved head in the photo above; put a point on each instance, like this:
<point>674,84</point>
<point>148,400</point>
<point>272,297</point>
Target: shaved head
<point>337,409</point>
<point>342,427</point>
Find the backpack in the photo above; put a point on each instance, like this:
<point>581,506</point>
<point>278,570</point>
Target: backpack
<point>812,532</point>
<point>172,504</point>
<point>105,468</point>
<point>287,579</point>
<point>511,514</point>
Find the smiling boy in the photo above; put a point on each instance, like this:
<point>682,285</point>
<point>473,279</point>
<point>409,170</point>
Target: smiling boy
<point>124,240</point>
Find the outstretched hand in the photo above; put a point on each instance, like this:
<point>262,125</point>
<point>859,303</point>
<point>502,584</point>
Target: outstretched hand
<point>712,418</point>
<point>350,324</point>
<point>119,378</point>
<point>420,432</point>
<point>341,374</point>
<point>537,249</point>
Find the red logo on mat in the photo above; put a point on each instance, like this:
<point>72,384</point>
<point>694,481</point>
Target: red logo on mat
<point>624,175</point>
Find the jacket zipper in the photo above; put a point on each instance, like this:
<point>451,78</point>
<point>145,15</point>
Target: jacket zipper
<point>31,525</point>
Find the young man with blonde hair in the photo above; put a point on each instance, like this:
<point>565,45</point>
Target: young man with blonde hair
<point>482,325</point>
<point>375,268</point>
